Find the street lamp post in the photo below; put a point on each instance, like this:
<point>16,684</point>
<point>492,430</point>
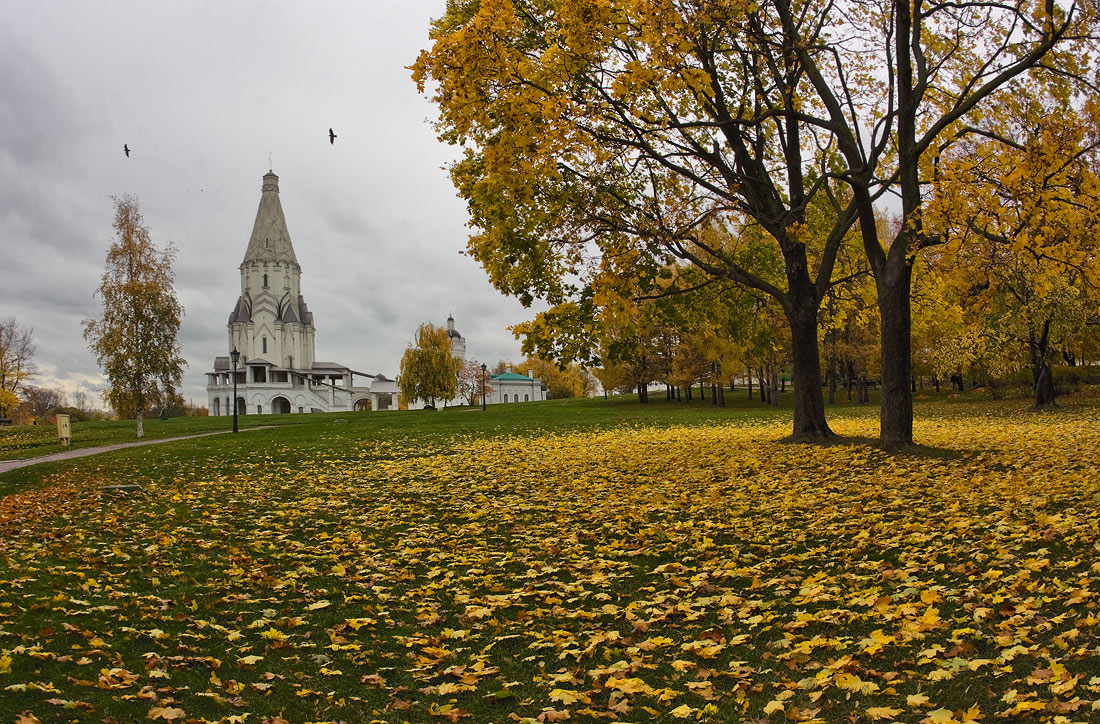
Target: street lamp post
<point>483,387</point>
<point>235,356</point>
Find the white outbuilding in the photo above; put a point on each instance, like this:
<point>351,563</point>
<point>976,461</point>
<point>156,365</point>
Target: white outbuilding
<point>509,387</point>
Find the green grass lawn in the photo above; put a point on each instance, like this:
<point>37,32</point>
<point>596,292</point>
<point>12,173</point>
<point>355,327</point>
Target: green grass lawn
<point>31,441</point>
<point>581,560</point>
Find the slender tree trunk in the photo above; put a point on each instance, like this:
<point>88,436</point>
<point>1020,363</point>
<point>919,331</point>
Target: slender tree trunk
<point>140,427</point>
<point>896,408</point>
<point>832,379</point>
<point>749,380</point>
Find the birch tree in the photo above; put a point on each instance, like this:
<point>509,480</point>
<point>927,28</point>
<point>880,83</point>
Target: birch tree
<point>136,340</point>
<point>17,350</point>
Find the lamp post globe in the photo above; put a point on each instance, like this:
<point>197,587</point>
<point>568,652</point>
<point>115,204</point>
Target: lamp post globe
<point>235,357</point>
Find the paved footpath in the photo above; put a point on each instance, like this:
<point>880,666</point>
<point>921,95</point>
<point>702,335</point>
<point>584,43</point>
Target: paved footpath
<point>6,465</point>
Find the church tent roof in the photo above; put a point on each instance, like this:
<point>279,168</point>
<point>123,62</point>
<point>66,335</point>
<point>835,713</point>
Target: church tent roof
<point>270,240</point>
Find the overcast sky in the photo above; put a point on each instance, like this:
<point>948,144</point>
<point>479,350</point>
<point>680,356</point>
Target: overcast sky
<point>204,93</point>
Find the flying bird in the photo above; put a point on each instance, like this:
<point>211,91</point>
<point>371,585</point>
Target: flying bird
<point>126,148</point>
<point>331,137</point>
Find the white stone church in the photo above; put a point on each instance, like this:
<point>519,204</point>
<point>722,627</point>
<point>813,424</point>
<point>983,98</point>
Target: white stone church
<point>272,330</point>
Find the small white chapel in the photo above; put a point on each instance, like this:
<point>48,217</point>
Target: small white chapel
<point>271,330</point>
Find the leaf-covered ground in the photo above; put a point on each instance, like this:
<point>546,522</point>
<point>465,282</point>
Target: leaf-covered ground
<point>644,573</point>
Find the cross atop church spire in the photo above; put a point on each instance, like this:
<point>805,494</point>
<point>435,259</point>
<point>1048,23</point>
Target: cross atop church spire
<point>270,240</point>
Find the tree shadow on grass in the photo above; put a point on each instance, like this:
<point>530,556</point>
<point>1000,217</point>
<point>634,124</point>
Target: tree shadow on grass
<point>913,450</point>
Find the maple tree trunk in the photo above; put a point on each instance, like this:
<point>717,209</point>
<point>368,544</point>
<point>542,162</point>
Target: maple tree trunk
<point>140,428</point>
<point>750,383</point>
<point>1044,389</point>
<point>809,403</point>
<point>1041,374</point>
<point>896,407</point>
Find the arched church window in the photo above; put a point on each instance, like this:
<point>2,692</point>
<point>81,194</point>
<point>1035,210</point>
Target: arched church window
<point>265,282</point>
<point>259,409</point>
<point>265,338</point>
<point>526,398</point>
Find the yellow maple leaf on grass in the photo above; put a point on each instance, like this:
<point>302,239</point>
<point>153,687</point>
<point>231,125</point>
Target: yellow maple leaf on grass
<point>565,696</point>
<point>167,713</point>
<point>628,686</point>
<point>940,716</point>
<point>851,682</point>
<point>882,712</point>
<point>683,711</point>
<point>773,706</point>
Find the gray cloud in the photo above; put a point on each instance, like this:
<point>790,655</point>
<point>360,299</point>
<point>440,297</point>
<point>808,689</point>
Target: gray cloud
<point>204,94</point>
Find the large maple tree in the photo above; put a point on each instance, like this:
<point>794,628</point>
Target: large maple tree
<point>601,136</point>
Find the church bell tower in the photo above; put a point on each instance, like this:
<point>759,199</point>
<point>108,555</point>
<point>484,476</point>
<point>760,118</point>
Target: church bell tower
<point>271,321</point>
